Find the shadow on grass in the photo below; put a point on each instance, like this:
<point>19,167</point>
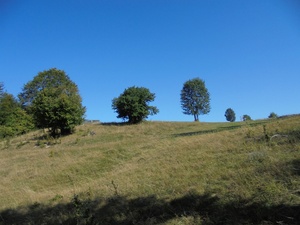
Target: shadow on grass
<point>120,210</point>
<point>115,124</point>
<point>296,167</point>
<point>221,128</point>
<point>294,136</point>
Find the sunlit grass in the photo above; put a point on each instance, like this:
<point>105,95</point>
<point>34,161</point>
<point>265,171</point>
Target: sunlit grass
<point>231,162</point>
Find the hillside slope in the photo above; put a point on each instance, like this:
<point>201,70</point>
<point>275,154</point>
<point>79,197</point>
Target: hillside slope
<point>155,173</point>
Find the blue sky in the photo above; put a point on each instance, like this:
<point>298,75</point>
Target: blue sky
<point>247,52</point>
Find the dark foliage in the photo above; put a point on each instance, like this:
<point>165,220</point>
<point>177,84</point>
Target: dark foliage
<point>230,115</point>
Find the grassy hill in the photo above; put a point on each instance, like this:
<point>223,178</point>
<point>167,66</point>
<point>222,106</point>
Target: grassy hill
<point>155,173</point>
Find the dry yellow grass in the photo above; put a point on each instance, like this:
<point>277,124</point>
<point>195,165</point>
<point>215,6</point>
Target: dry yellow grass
<point>168,160</point>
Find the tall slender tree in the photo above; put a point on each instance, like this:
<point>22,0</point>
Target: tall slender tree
<point>195,98</point>
<point>1,89</point>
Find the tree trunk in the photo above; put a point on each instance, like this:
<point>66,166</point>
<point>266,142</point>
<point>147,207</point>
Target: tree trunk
<point>196,117</point>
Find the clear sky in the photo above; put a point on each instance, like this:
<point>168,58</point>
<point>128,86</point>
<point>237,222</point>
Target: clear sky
<point>247,52</point>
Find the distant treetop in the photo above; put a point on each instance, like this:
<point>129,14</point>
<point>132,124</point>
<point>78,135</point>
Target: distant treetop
<point>246,117</point>
<point>230,115</point>
<point>273,115</point>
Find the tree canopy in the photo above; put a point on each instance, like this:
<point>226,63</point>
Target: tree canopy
<point>195,98</point>
<point>54,101</point>
<point>52,78</point>
<point>230,115</point>
<point>133,104</point>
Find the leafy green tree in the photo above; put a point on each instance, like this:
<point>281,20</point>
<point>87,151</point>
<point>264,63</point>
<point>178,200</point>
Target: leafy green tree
<point>133,104</point>
<point>273,115</point>
<point>8,104</point>
<point>19,122</point>
<point>230,115</point>
<point>246,117</point>
<point>195,99</point>
<point>13,119</point>
<point>54,101</point>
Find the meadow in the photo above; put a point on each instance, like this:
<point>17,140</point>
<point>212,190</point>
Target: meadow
<point>155,173</point>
